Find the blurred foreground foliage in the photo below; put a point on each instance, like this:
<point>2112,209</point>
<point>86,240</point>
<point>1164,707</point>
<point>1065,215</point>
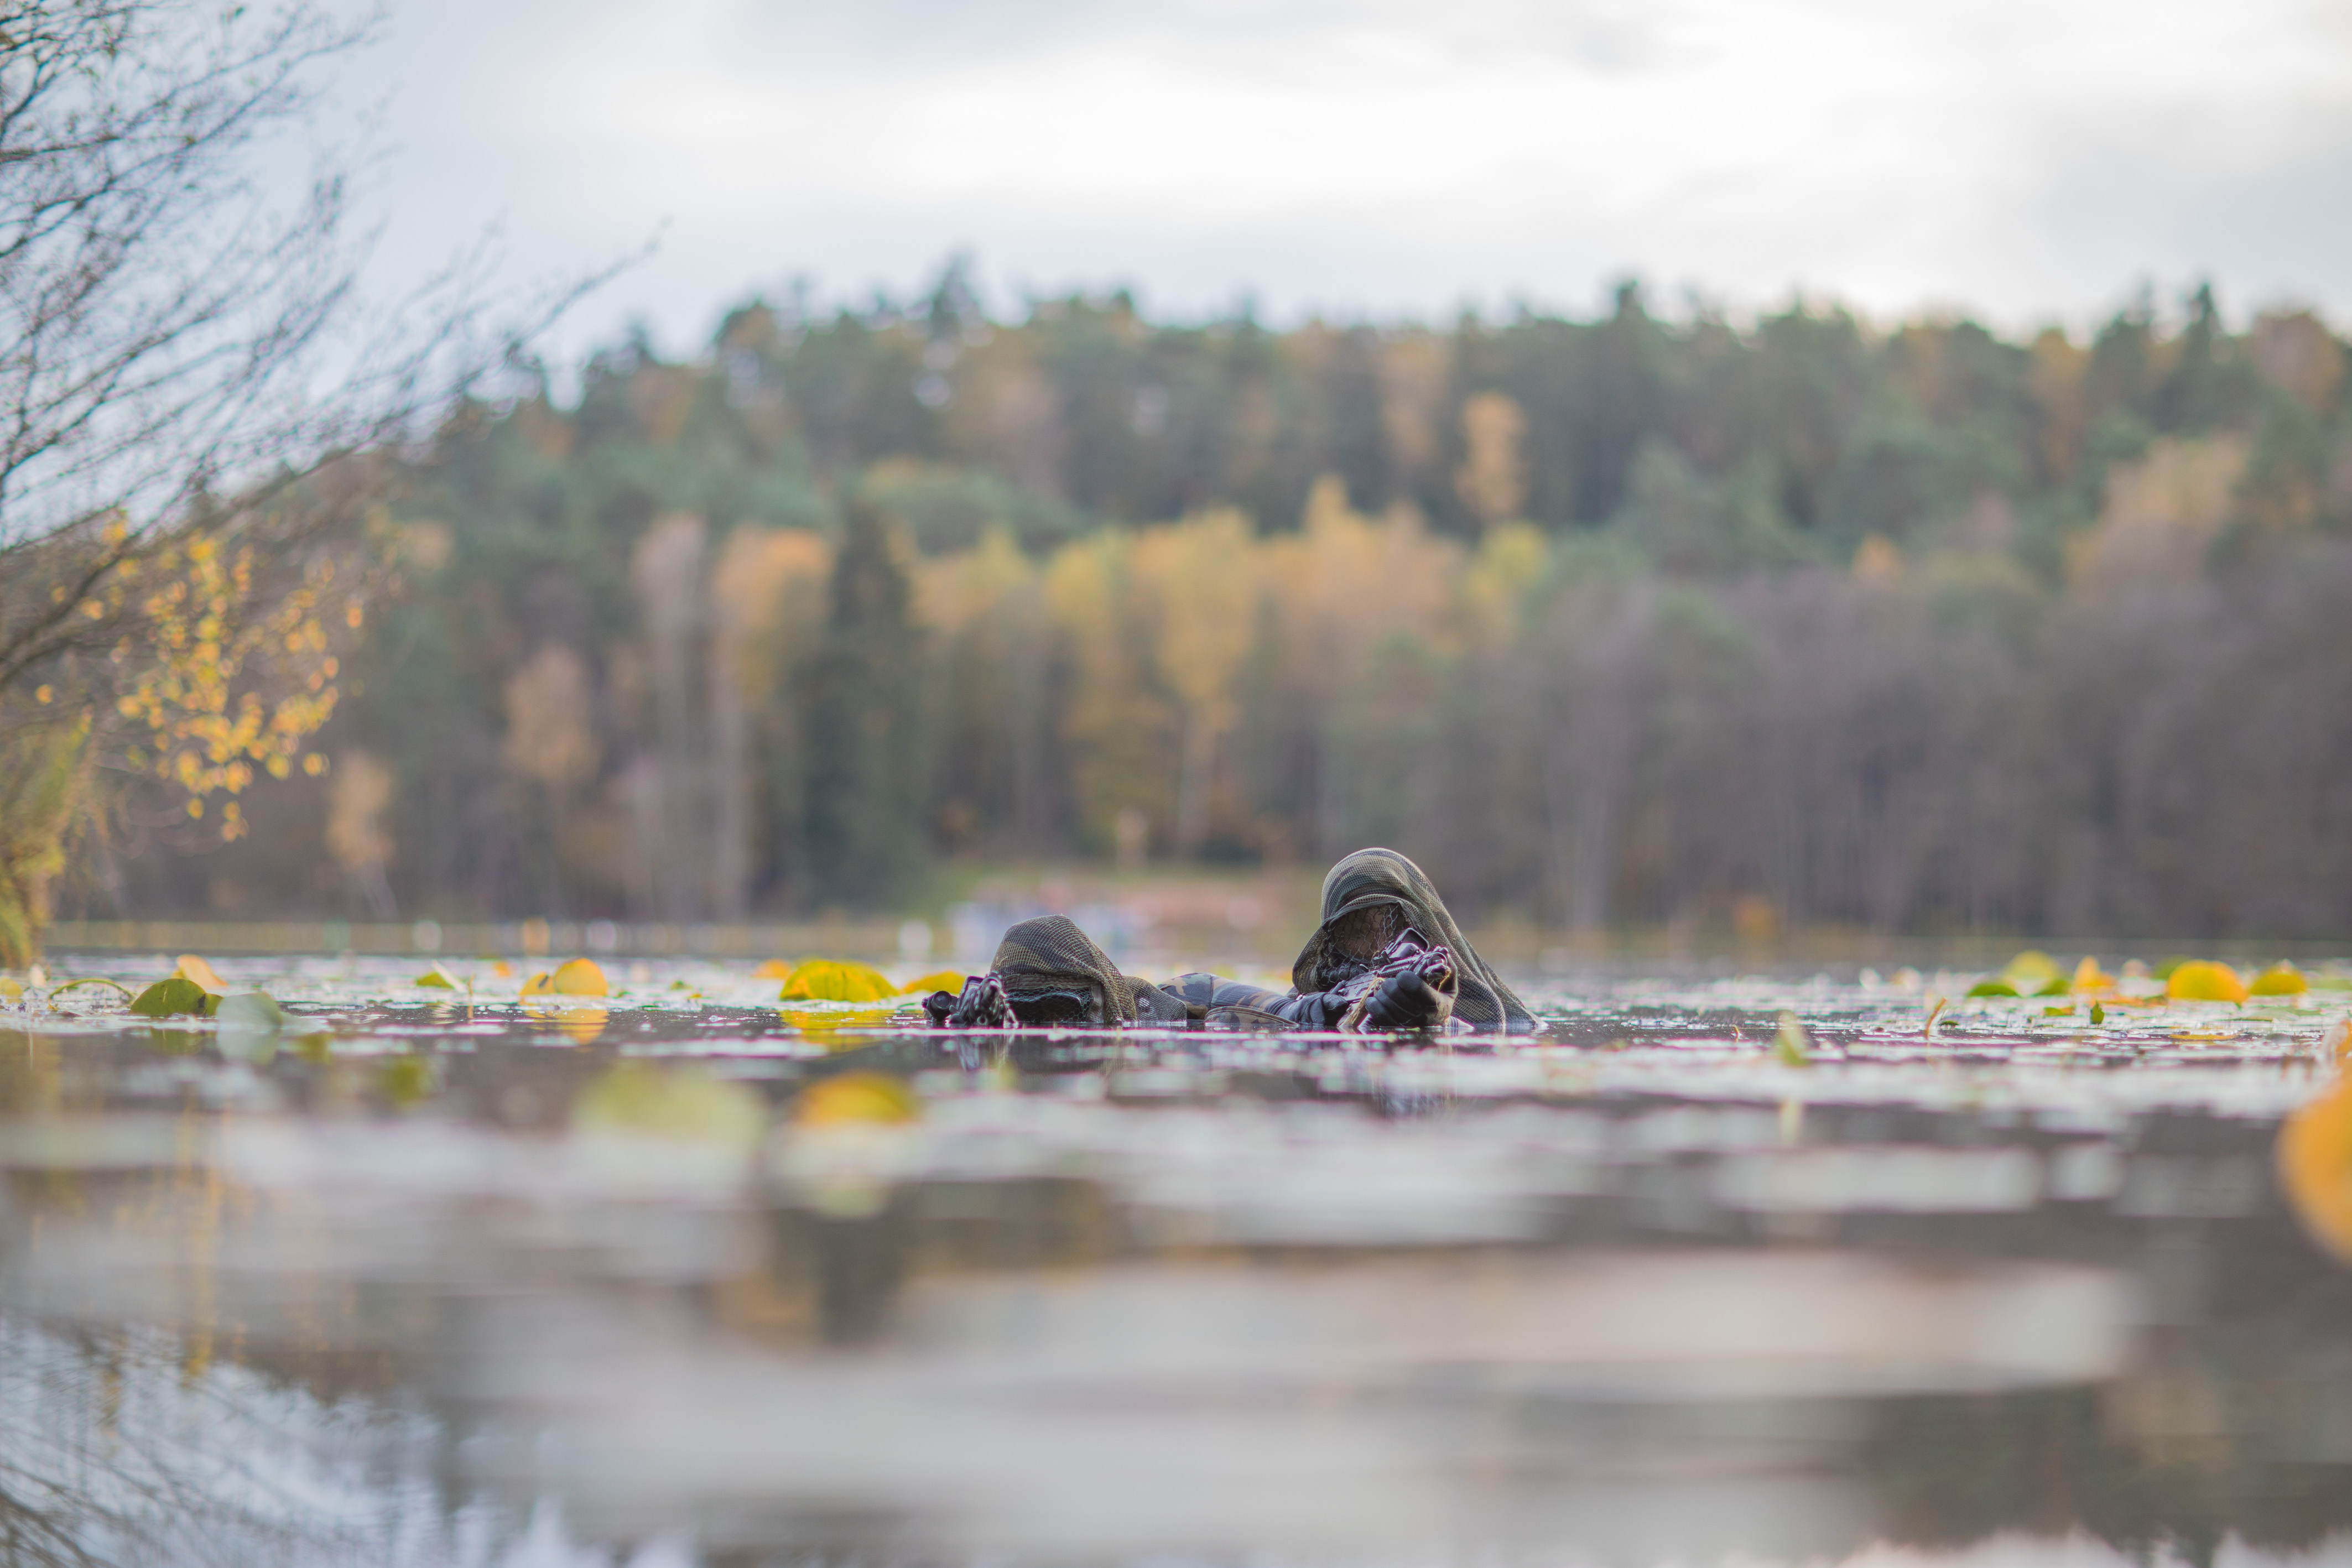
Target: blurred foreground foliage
<point>1621,619</point>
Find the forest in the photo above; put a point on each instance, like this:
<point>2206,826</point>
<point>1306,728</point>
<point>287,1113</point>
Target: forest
<point>1608,621</point>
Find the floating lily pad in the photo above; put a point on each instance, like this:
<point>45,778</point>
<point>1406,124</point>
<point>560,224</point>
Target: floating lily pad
<point>2201,980</point>
<point>174,995</point>
<point>836,980</point>
<point>2281,980</point>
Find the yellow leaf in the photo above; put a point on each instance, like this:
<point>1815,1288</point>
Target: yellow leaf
<point>195,968</point>
<point>688,1103</point>
<point>540,985</point>
<point>2281,980</point>
<point>10,988</point>
<point>440,978</point>
<point>2030,972</point>
<point>849,1097</point>
<point>2201,980</point>
<point>2090,980</point>
<point>924,984</point>
<point>773,969</point>
<point>502,970</point>
<point>579,978</point>
<point>2315,1167</point>
<point>836,980</point>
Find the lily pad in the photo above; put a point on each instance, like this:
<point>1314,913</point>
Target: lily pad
<point>2281,980</point>
<point>579,978</point>
<point>192,967</point>
<point>836,980</point>
<point>440,978</point>
<point>1995,987</point>
<point>937,981</point>
<point>2201,980</point>
<point>174,995</point>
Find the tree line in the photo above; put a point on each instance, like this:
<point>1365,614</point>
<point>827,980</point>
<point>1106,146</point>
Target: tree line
<point>1606,620</point>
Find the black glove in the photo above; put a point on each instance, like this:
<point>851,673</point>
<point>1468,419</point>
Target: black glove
<point>982,1005</point>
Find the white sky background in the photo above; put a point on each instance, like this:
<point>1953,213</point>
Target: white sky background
<point>2023,160</point>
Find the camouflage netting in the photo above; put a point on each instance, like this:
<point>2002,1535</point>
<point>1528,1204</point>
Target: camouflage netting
<point>1368,899</point>
<point>1053,973</point>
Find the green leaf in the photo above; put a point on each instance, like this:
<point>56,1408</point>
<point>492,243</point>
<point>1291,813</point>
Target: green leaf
<point>174,995</point>
<point>439,979</point>
<point>1792,1047</point>
<point>1992,988</point>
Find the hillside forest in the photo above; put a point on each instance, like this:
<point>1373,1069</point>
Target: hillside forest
<point>1626,619</point>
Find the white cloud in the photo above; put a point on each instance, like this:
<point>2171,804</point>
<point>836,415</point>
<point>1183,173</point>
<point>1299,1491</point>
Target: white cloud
<point>2021,159</point>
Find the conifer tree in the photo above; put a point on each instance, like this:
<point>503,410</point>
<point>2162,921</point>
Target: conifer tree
<point>865,830</point>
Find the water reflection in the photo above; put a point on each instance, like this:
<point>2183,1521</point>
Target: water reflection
<point>452,1285</point>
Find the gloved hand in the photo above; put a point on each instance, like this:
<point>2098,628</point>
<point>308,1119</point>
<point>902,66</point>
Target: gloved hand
<point>982,1005</point>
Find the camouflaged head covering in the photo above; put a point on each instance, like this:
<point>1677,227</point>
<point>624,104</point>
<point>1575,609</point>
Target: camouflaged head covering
<point>1053,973</point>
<point>1374,878</point>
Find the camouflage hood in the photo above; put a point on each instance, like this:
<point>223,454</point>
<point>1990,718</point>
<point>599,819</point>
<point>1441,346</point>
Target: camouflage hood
<point>1053,973</point>
<point>1385,880</point>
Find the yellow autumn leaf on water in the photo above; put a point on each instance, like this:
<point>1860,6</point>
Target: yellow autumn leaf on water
<point>540,985</point>
<point>195,968</point>
<point>688,1103</point>
<point>2315,1167</point>
<point>438,978</point>
<point>2032,972</point>
<point>2090,980</point>
<point>773,969</point>
<point>939,980</point>
<point>579,978</point>
<point>854,1097</point>
<point>836,980</point>
<point>2201,980</point>
<point>10,988</point>
<point>2281,980</point>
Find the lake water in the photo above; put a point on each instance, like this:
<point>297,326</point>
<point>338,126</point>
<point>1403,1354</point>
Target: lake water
<point>677,1277</point>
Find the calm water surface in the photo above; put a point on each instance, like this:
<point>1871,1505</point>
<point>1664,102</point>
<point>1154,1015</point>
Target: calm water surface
<point>678,1277</point>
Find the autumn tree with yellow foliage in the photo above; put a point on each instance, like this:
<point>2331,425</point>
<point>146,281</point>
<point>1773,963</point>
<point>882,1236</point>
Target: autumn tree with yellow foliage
<point>186,381</point>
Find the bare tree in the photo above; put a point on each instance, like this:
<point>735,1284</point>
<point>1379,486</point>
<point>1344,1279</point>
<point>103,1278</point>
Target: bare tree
<point>185,356</point>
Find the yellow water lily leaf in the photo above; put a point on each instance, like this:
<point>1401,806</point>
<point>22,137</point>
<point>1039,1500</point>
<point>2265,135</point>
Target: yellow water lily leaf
<point>579,978</point>
<point>853,1097</point>
<point>940,981</point>
<point>502,970</point>
<point>689,1104</point>
<point>2315,1167</point>
<point>2201,980</point>
<point>440,978</point>
<point>773,969</point>
<point>195,968</point>
<point>2090,980</point>
<point>2281,980</point>
<point>2032,972</point>
<point>10,988</point>
<point>836,980</point>
<point>540,985</point>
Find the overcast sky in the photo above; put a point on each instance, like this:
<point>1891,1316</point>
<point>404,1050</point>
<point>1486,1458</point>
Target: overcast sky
<point>2021,159</point>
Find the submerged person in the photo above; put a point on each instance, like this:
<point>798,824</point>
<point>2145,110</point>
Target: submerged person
<point>1386,956</point>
